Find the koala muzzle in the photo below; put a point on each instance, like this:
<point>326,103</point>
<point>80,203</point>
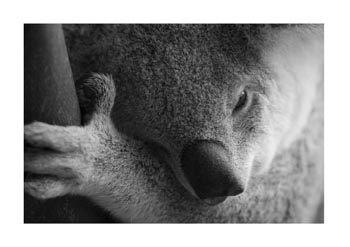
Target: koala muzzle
<point>208,169</point>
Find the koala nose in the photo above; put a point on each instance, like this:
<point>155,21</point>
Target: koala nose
<point>207,167</point>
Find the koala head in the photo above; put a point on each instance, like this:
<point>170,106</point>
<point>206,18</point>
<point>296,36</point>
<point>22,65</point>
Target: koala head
<point>215,102</point>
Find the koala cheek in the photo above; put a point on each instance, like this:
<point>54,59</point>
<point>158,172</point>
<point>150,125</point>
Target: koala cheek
<point>264,155</point>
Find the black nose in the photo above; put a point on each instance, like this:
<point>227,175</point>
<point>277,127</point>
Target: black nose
<point>207,167</point>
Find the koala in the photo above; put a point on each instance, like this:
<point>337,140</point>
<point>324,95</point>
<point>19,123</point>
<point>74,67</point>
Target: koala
<point>189,123</point>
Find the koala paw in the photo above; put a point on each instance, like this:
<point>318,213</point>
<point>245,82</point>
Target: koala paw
<point>60,160</point>
<point>56,159</point>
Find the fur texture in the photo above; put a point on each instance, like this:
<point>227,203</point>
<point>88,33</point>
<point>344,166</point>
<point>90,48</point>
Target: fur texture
<point>175,84</point>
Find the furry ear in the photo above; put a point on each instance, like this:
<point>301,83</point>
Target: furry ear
<point>296,61</point>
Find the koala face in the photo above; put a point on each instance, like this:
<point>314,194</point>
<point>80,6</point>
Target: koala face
<point>216,102</point>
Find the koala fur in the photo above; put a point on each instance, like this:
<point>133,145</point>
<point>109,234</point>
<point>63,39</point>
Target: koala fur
<point>161,87</point>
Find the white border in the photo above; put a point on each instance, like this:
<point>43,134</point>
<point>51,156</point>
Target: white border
<point>337,65</point>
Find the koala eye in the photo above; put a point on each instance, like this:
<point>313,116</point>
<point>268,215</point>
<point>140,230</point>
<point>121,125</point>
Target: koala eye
<point>241,101</point>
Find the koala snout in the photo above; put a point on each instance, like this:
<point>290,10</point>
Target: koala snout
<point>208,168</point>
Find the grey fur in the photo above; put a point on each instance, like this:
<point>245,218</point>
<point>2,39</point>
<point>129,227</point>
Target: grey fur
<point>178,83</point>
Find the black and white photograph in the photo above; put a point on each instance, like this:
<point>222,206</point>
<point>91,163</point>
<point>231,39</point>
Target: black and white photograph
<point>173,123</point>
